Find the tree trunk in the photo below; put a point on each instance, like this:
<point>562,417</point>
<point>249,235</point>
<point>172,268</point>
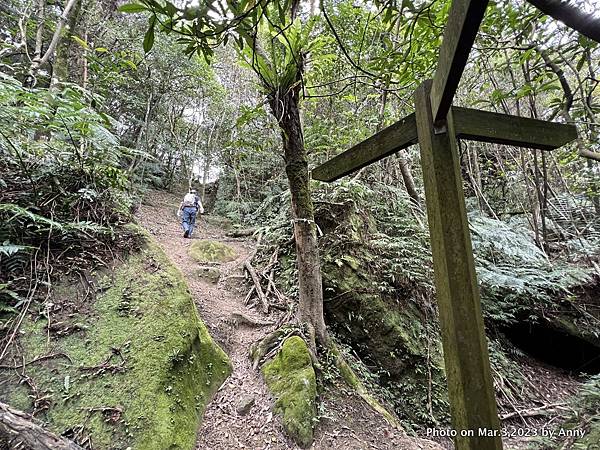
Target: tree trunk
<point>310,308</point>
<point>407,177</point>
<point>40,60</point>
<point>64,57</point>
<point>205,173</point>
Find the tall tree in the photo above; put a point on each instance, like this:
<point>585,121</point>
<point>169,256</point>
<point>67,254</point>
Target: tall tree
<point>275,42</point>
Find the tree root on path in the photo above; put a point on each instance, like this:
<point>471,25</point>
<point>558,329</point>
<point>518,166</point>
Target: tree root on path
<point>241,233</point>
<point>270,345</point>
<point>261,295</point>
<point>242,319</point>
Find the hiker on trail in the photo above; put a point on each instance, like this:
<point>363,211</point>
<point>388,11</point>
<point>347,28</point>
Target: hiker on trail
<point>189,208</point>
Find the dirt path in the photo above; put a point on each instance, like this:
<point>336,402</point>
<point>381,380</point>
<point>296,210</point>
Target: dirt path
<point>345,422</point>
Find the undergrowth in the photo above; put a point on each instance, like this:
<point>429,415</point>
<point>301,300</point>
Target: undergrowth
<point>64,194</point>
<point>380,298</point>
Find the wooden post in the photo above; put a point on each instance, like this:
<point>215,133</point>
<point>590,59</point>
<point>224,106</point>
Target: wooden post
<point>464,19</point>
<point>470,385</point>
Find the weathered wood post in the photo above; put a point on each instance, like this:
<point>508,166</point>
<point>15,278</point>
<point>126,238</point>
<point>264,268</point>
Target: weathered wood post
<point>470,385</point>
<point>435,125</point>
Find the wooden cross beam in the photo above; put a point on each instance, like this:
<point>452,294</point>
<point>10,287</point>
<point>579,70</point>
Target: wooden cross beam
<point>435,125</point>
<point>469,123</point>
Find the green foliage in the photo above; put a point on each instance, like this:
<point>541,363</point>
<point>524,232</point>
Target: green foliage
<point>377,285</point>
<point>583,416</point>
<point>65,186</point>
<point>283,59</point>
<point>516,277</point>
<point>377,221</point>
<point>379,293</point>
<point>132,8</point>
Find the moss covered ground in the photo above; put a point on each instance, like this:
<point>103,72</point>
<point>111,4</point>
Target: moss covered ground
<point>138,366</point>
<point>291,379</point>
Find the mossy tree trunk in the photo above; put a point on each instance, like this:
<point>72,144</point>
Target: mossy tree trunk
<point>285,108</point>
<point>63,67</point>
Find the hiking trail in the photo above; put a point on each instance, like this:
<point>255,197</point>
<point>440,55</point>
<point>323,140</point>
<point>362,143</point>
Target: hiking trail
<point>346,422</point>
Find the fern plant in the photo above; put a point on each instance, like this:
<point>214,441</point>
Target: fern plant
<point>515,275</point>
<point>64,184</point>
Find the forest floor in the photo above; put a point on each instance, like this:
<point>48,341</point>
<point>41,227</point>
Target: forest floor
<point>345,421</point>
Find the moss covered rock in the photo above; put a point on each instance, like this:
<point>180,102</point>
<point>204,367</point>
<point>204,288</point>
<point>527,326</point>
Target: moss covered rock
<point>372,303</point>
<point>138,370</point>
<point>392,335</point>
<point>291,379</point>
<point>207,251</point>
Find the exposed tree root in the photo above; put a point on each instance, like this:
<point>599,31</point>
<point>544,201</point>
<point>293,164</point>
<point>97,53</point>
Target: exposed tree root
<point>241,233</point>
<point>354,382</point>
<point>261,295</point>
<point>106,366</point>
<point>532,412</point>
<point>18,427</point>
<point>270,345</point>
<point>242,319</point>
<point>39,358</point>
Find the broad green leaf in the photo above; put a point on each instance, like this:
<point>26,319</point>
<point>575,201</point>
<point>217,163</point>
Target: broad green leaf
<point>131,8</point>
<point>130,63</point>
<point>80,41</point>
<point>171,9</point>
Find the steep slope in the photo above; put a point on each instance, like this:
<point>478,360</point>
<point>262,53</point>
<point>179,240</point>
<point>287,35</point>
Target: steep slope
<point>119,360</point>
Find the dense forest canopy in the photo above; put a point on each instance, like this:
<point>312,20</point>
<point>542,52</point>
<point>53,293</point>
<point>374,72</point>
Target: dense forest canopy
<point>107,104</point>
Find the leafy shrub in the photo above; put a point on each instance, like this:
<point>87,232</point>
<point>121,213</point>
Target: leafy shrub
<point>64,184</point>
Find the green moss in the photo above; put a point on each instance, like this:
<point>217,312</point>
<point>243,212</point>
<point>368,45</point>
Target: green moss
<point>390,332</point>
<point>211,251</point>
<point>583,418</point>
<point>18,397</point>
<point>291,379</point>
<point>591,439</point>
<point>170,365</point>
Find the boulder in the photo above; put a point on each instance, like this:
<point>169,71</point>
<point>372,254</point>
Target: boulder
<point>207,251</point>
<point>138,375</point>
<point>290,377</point>
<point>245,405</point>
